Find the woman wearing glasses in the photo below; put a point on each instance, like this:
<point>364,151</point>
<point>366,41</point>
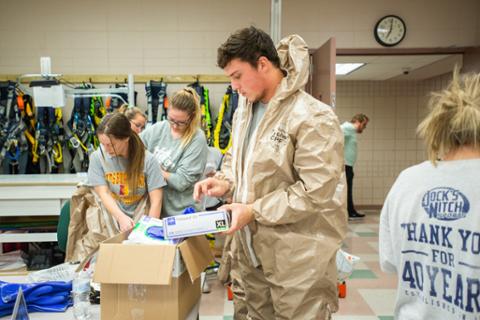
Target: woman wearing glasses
<point>136,117</point>
<point>122,172</point>
<point>181,149</point>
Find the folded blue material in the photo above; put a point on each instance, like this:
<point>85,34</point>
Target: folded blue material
<point>50,296</point>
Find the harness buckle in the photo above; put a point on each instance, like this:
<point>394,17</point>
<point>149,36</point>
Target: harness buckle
<point>75,143</point>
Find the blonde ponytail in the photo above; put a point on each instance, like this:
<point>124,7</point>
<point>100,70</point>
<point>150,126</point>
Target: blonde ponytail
<point>454,119</point>
<point>187,100</point>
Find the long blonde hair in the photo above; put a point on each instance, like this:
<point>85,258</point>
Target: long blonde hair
<point>187,100</point>
<point>454,119</point>
<point>118,126</point>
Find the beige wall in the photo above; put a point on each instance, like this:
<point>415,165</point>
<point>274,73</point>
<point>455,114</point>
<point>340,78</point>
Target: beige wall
<point>389,144</point>
<point>160,36</point>
<point>121,36</point>
<point>430,23</point>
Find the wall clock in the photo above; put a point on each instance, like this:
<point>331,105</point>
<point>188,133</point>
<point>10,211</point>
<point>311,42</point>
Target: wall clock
<point>390,30</point>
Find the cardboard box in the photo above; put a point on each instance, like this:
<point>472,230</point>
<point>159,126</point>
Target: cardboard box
<point>137,282</point>
<point>193,224</point>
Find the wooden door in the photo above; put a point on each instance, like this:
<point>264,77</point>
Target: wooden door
<point>322,84</point>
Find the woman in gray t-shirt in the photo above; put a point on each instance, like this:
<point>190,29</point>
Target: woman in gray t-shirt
<point>180,147</point>
<point>122,172</point>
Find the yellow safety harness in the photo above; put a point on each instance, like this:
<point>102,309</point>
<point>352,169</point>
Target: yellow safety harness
<point>218,126</point>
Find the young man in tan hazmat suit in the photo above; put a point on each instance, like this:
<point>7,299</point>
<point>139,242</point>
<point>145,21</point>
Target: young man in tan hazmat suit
<point>285,175</point>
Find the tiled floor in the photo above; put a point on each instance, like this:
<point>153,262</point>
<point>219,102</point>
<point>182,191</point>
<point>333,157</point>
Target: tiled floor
<point>370,292</point>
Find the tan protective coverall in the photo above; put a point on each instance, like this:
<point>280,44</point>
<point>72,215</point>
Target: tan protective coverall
<point>293,174</point>
<point>90,223</point>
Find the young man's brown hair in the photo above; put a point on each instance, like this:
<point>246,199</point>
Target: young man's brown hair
<point>248,45</point>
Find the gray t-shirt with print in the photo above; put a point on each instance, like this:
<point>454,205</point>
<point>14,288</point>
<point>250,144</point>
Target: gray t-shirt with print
<point>185,165</point>
<point>111,171</point>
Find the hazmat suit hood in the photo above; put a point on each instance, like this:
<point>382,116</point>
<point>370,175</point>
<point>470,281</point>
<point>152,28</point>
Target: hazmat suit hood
<point>295,61</point>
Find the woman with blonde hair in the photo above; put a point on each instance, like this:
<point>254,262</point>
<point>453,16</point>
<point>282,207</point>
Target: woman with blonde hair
<point>122,172</point>
<point>137,117</point>
<point>180,147</point>
<point>430,222</point>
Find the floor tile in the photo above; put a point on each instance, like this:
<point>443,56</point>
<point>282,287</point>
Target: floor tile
<point>381,301</point>
<point>360,264</point>
<point>367,234</point>
<point>354,304</point>
<point>374,245</point>
<point>359,228</point>
<point>355,317</point>
<point>367,257</point>
<point>356,246</point>
<point>363,274</point>
<point>228,308</point>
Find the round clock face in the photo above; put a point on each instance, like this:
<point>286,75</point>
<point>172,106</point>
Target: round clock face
<point>390,30</point>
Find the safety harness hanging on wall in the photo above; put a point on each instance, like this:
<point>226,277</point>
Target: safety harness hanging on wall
<point>80,132</point>
<point>13,144</point>
<point>97,110</point>
<point>47,150</point>
<point>222,138</point>
<point>207,124</point>
<point>113,103</point>
<point>25,105</point>
<point>157,101</point>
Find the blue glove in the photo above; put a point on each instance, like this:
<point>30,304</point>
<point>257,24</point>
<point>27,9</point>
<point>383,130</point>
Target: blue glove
<point>189,210</point>
<point>155,232</point>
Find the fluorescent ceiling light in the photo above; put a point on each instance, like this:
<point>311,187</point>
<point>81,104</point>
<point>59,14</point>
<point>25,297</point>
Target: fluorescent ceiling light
<point>343,69</point>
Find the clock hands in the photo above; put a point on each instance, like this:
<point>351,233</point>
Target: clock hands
<point>390,29</point>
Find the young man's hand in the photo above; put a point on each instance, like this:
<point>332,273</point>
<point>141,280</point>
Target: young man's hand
<point>210,187</point>
<point>241,214</point>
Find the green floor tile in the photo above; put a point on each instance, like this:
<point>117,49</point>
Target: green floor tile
<point>227,317</point>
<point>363,274</point>
<point>367,234</point>
<point>385,318</point>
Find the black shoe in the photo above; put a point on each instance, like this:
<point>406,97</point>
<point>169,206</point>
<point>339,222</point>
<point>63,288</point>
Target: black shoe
<point>355,216</point>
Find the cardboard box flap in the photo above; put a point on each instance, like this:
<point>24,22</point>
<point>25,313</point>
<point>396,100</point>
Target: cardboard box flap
<point>125,264</point>
<point>196,254</point>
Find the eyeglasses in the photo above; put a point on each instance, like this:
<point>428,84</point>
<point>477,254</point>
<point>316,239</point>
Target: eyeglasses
<point>178,123</point>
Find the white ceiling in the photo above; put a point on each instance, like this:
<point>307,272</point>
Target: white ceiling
<point>391,67</point>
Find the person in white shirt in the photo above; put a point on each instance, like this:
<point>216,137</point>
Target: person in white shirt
<point>430,222</point>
